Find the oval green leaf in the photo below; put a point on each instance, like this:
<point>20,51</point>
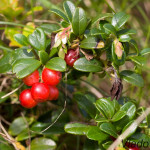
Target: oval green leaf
<point>132,78</point>
<point>82,64</point>
<point>69,8</point>
<point>43,144</point>
<point>17,126</point>
<point>61,14</point>
<point>119,19</point>
<point>26,66</point>
<point>79,21</point>
<point>119,115</point>
<point>38,39</point>
<point>21,39</point>
<point>109,129</point>
<point>130,109</point>
<point>94,133</point>
<point>57,64</point>
<point>106,107</point>
<point>76,128</point>
<point>89,43</point>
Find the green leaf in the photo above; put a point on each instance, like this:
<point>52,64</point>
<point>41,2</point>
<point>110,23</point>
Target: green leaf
<point>43,143</point>
<point>132,78</point>
<point>89,43</point>
<point>69,8</point>
<point>79,21</point>
<point>24,135</point>
<point>110,28</point>
<point>20,53</point>
<point>85,104</point>
<point>76,128</point>
<point>4,146</point>
<point>49,28</point>
<point>24,67</point>
<point>60,13</point>
<point>145,51</point>
<point>5,65</point>
<point>43,57</point>
<point>119,19</point>
<point>82,64</point>
<point>126,32</point>
<point>21,39</point>
<point>96,31</point>
<point>38,39</point>
<point>119,115</point>
<point>18,125</point>
<point>130,109</point>
<point>94,133</point>
<point>101,16</point>
<point>106,107</point>
<point>109,129</point>
<point>57,64</point>
<point>140,60</point>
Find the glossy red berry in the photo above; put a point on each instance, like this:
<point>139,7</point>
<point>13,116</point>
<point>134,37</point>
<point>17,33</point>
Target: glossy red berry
<point>134,148</point>
<point>26,99</point>
<point>51,77</point>
<point>40,92</point>
<point>32,78</point>
<point>54,93</point>
<point>71,57</point>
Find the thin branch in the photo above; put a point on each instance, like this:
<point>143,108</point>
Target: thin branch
<point>8,94</point>
<point>4,120</point>
<point>97,91</point>
<point>56,119</point>
<point>3,83</point>
<point>11,140</point>
<point>129,129</point>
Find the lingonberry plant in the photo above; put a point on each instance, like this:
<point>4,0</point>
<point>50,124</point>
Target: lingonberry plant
<point>80,47</point>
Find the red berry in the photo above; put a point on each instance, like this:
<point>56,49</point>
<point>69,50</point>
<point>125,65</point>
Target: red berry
<point>32,78</point>
<point>135,148</point>
<point>40,92</point>
<point>26,99</point>
<point>71,57</point>
<point>54,93</point>
<point>51,77</point>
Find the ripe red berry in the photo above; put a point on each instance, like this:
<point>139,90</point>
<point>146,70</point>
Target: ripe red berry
<point>26,99</point>
<point>40,92</point>
<point>32,78</point>
<point>54,93</point>
<point>135,148</point>
<point>71,57</point>
<point>51,77</point>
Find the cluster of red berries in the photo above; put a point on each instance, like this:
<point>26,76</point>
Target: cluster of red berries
<point>40,92</point>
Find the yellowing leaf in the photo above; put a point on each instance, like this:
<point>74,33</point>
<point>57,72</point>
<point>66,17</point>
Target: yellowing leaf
<point>28,29</point>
